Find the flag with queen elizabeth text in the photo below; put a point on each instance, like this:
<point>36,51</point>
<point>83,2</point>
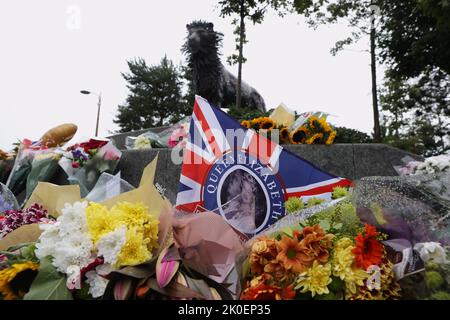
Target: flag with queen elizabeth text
<point>242,175</point>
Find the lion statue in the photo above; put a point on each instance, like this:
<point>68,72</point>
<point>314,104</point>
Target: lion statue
<point>210,78</point>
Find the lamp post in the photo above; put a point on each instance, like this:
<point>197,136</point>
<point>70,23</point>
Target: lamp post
<point>99,104</point>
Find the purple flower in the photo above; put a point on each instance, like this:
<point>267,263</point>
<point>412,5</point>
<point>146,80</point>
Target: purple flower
<point>14,219</point>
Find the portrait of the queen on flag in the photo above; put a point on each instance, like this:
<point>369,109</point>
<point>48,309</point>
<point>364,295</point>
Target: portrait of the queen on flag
<point>241,175</point>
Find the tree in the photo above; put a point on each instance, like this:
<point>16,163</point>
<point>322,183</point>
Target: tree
<point>360,15</point>
<point>253,10</point>
<point>417,113</point>
<point>155,97</point>
<point>415,36</point>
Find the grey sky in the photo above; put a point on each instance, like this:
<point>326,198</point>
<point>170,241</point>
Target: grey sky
<point>46,60</point>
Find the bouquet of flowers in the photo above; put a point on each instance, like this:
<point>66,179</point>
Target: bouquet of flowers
<point>330,255</point>
<point>34,162</point>
<point>169,138</point>
<point>382,241</point>
<point>312,130</point>
<point>85,162</point>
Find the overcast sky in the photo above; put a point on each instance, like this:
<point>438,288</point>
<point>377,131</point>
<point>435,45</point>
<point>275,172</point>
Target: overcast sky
<point>48,55</point>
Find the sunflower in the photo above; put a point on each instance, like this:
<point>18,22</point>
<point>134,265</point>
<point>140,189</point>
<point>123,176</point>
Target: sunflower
<point>246,123</point>
<point>16,280</point>
<point>314,122</point>
<point>315,138</point>
<point>326,127</point>
<point>267,124</point>
<point>368,250</point>
<point>284,135</point>
<point>299,136</point>
<point>331,138</point>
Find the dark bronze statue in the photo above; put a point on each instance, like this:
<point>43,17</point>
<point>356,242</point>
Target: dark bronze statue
<point>210,78</point>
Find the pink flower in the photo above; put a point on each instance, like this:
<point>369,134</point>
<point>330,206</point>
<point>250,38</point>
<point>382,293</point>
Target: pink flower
<point>177,136</point>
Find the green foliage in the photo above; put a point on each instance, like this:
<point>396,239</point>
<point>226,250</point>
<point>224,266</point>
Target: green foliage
<point>341,219</point>
<point>156,96</point>
<point>347,135</point>
<point>294,204</point>
<point>440,295</point>
<point>49,284</point>
<point>246,114</point>
<point>339,192</point>
<point>416,113</point>
<point>434,280</point>
<point>314,202</point>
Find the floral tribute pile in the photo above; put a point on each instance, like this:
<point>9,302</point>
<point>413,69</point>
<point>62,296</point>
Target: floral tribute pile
<point>333,255</point>
<point>313,131</point>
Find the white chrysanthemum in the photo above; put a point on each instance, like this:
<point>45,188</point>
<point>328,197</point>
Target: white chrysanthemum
<point>110,245</point>
<point>73,277</point>
<point>431,251</point>
<point>142,142</point>
<point>68,240</point>
<point>97,284</point>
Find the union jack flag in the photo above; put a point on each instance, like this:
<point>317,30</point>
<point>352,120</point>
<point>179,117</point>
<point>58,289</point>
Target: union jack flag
<point>217,144</point>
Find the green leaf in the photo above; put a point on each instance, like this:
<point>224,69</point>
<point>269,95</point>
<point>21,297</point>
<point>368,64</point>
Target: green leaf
<point>49,284</point>
<point>325,225</point>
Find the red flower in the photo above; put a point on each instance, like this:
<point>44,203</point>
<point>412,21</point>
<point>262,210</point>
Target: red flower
<point>93,144</point>
<point>268,292</point>
<point>368,250</point>
<point>75,165</point>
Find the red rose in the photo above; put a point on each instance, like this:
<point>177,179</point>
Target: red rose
<point>75,165</point>
<point>93,144</point>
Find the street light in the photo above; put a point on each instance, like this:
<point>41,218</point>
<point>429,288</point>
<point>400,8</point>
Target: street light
<point>99,106</point>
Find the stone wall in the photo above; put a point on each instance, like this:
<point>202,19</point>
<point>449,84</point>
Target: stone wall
<point>352,161</point>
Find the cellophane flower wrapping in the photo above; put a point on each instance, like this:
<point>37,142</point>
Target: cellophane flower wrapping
<point>7,200</point>
<point>414,211</point>
<point>147,140</point>
<point>85,162</point>
<point>33,163</point>
<point>107,187</point>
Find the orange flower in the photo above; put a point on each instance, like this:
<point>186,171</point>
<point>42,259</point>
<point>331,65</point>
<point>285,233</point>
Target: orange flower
<point>290,254</point>
<point>263,251</point>
<point>308,245</point>
<point>262,291</point>
<point>368,250</point>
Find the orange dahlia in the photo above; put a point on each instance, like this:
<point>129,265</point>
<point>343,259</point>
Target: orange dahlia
<point>368,250</point>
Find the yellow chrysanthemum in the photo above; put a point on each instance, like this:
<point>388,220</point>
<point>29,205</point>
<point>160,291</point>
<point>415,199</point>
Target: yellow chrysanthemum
<point>315,280</point>
<point>141,235</point>
<point>8,275</point>
<point>331,138</point>
<point>135,250</point>
<point>343,260</point>
<point>100,221</point>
